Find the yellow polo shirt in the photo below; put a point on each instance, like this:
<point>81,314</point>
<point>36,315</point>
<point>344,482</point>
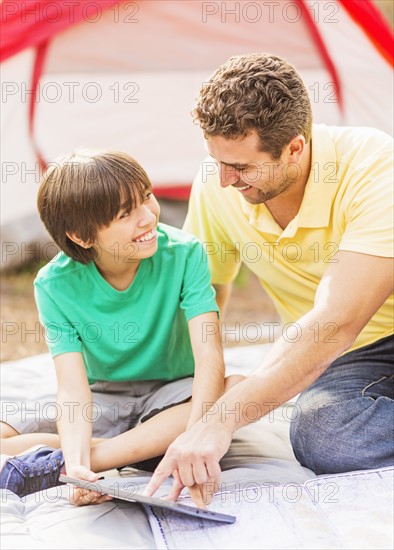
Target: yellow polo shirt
<point>347,205</point>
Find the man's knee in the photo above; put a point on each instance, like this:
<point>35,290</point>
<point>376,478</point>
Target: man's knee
<point>313,434</point>
<point>340,437</point>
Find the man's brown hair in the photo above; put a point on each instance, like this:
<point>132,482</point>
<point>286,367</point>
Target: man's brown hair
<point>83,192</point>
<point>259,92</point>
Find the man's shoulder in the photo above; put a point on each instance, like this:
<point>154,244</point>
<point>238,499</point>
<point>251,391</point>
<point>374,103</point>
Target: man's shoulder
<point>60,269</point>
<point>360,140</point>
<point>359,131</point>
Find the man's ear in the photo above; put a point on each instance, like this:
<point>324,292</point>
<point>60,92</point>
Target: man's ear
<point>75,239</point>
<point>296,147</point>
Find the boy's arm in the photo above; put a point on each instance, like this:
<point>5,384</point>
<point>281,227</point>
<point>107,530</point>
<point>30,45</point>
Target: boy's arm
<point>75,401</point>
<point>208,384</point>
<point>74,425</point>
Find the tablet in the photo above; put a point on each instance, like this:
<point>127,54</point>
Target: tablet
<point>119,488</point>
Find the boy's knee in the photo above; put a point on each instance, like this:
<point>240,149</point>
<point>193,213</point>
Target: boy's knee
<point>232,380</point>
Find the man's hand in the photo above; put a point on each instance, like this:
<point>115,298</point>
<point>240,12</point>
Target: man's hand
<point>193,459</point>
<point>201,494</point>
<point>82,497</point>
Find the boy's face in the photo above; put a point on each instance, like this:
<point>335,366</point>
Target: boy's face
<point>131,236</point>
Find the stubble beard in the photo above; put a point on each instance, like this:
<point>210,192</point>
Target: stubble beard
<point>264,195</point>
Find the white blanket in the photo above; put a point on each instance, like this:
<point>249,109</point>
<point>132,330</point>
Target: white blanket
<point>260,454</point>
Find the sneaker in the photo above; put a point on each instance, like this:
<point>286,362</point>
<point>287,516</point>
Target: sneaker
<point>32,472</point>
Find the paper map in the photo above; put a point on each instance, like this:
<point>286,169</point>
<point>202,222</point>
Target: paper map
<point>337,511</point>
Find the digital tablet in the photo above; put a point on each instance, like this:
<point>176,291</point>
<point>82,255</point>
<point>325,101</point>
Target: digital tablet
<point>123,490</point>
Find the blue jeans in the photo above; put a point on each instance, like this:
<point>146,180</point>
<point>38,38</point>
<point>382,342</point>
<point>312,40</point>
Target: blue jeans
<point>345,420</point>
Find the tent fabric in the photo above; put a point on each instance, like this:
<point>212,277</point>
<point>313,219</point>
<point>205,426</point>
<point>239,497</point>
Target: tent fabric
<point>41,51</point>
<point>323,51</point>
<point>372,22</point>
<point>42,19</point>
<point>27,24</point>
<point>180,192</point>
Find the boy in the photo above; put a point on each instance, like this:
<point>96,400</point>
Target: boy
<point>127,306</point>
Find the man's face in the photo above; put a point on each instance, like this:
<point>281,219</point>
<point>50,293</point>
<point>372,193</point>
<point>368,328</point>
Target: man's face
<point>253,173</point>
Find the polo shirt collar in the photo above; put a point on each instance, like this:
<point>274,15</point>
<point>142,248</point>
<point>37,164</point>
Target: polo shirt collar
<point>320,188</point>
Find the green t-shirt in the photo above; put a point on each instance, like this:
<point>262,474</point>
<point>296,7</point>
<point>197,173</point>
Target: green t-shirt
<point>137,334</point>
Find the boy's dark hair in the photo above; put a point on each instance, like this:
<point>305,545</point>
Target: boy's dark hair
<point>83,192</point>
<point>261,92</point>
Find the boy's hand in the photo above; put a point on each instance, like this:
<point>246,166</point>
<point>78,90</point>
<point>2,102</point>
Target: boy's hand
<point>82,497</point>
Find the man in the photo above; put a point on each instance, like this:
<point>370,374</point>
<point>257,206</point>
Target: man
<point>309,210</point>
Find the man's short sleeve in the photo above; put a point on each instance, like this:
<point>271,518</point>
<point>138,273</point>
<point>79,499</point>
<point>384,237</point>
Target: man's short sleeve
<point>206,219</point>
<point>60,333</point>
<point>197,295</point>
<point>369,212</point>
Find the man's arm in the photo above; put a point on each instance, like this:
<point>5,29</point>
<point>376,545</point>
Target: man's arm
<point>222,296</point>
<point>349,294</point>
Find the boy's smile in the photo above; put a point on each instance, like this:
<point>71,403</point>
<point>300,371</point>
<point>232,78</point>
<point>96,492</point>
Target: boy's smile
<point>146,238</point>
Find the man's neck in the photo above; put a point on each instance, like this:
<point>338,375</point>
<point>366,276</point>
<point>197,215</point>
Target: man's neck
<point>285,206</point>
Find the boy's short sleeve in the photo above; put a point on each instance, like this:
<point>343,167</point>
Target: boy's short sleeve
<point>197,295</point>
<point>61,335</point>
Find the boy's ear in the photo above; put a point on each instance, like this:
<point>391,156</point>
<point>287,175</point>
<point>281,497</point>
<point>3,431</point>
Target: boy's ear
<point>75,239</point>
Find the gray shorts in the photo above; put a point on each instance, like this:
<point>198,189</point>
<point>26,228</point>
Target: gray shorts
<point>117,407</point>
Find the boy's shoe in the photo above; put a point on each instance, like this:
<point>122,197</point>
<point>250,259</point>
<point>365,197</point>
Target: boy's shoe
<point>32,472</point>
